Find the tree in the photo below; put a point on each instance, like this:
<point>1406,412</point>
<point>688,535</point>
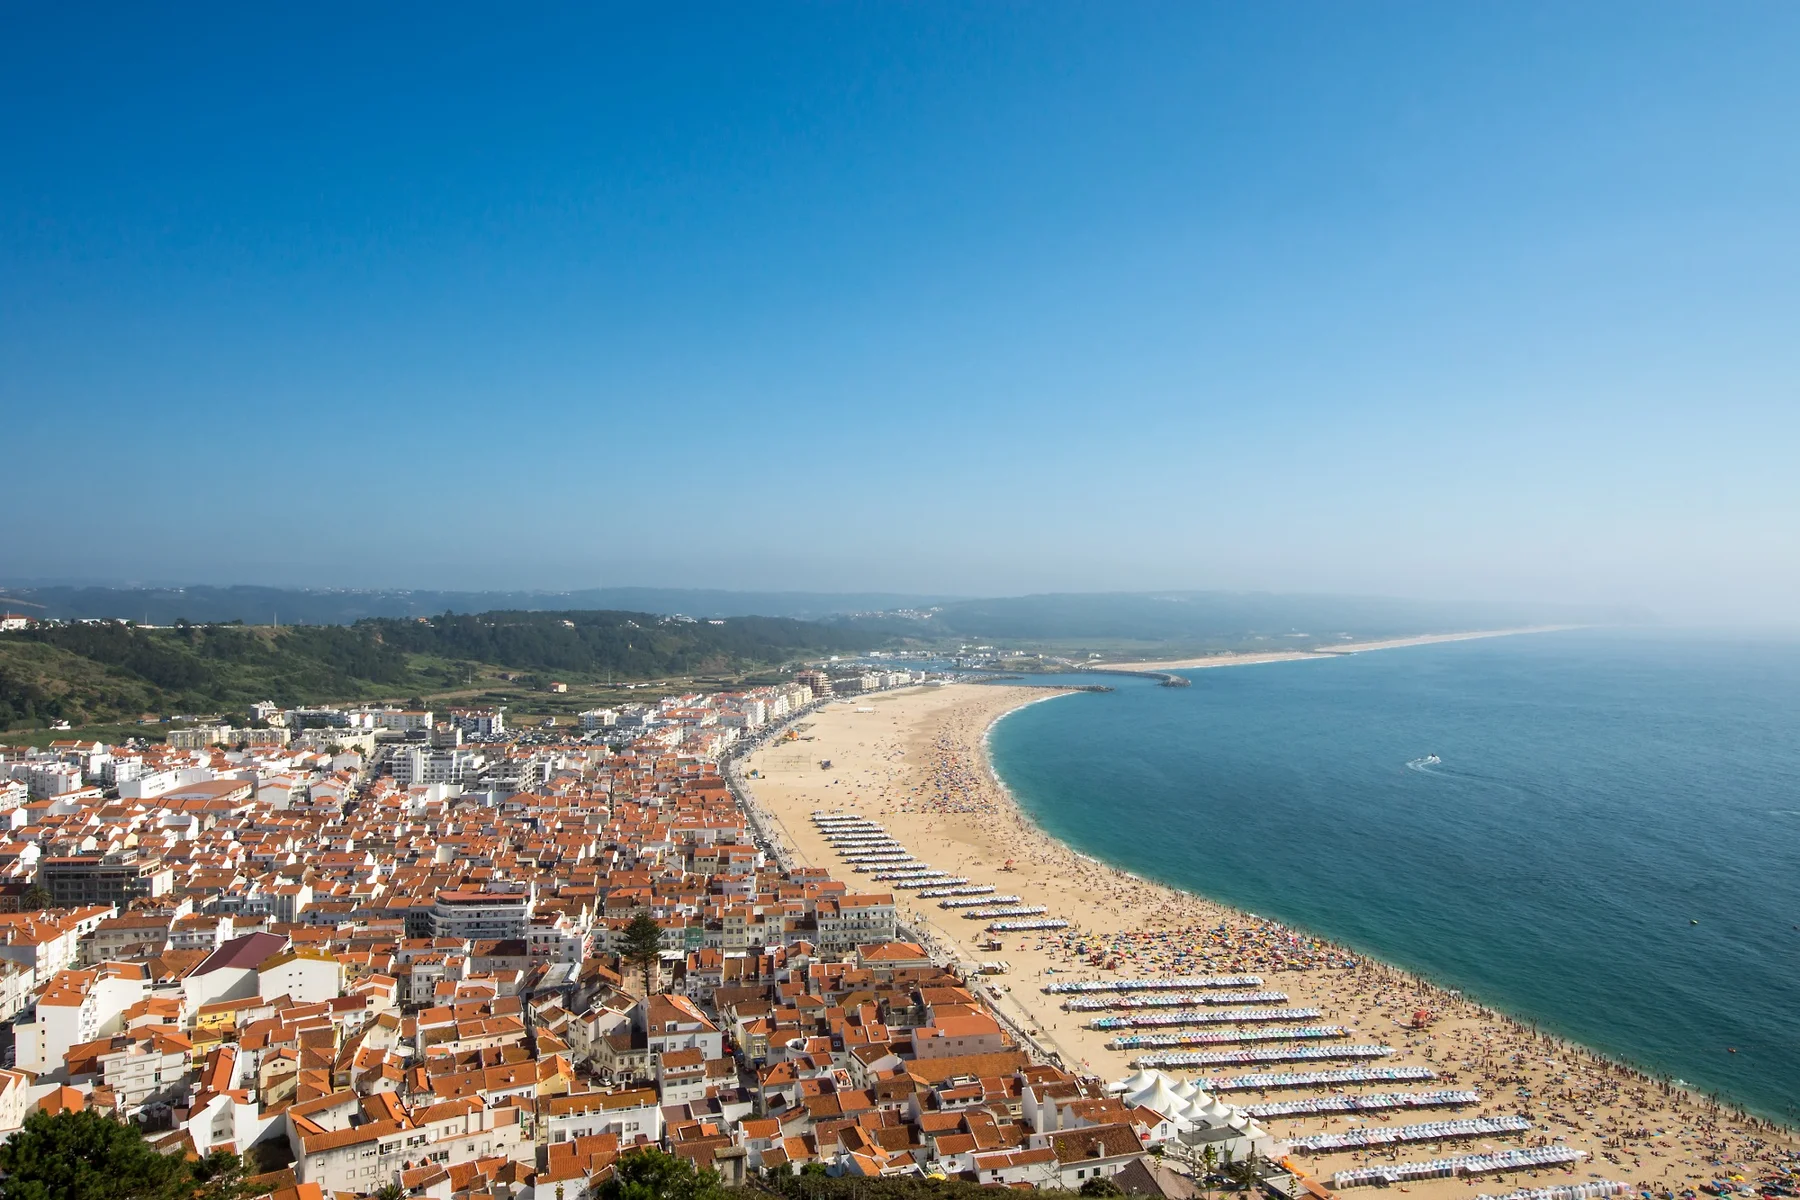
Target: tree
<point>1209,1167</point>
<point>653,1175</point>
<point>220,1176</point>
<point>87,1156</point>
<point>390,1191</point>
<point>1099,1185</point>
<point>1244,1173</point>
<point>642,944</point>
<point>35,898</point>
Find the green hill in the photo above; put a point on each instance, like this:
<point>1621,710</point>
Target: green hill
<point>93,673</point>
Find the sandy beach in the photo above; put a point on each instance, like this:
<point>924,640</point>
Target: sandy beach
<point>915,761</point>
<point>1269,656</point>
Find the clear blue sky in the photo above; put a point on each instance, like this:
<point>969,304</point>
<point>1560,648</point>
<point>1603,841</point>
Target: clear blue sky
<point>1443,300</point>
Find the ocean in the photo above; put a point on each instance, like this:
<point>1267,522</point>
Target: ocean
<point>1607,844</point>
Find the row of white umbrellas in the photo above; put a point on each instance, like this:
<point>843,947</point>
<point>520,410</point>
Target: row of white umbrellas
<point>1171,1000</point>
<point>1216,1016</point>
<point>1431,1131</point>
<point>1316,1105</point>
<point>1272,1054</point>
<point>1591,1189</point>
<point>1294,1033</point>
<point>1158,983</point>
<point>1464,1164</point>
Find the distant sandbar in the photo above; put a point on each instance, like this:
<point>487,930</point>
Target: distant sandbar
<point>1230,659</point>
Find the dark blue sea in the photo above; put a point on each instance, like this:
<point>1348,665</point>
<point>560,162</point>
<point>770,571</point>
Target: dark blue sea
<point>1596,795</point>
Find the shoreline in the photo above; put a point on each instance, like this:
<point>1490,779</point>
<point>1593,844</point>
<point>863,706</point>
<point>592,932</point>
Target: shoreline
<point>1365,956</point>
<point>919,761</point>
<point>1233,659</point>
<point>1416,974</point>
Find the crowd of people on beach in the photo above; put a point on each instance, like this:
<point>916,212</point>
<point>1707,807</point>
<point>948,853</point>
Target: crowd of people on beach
<point>1659,1137</point>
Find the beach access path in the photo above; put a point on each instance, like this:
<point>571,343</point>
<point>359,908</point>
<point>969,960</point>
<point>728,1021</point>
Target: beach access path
<point>915,761</point>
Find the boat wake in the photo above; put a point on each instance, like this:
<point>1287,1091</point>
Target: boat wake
<point>1424,764</point>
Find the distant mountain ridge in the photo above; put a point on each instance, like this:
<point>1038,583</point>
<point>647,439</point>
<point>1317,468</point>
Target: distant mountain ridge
<point>1195,618</point>
<point>204,604</point>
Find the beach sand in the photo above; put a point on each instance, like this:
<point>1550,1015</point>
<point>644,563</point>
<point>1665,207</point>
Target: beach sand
<point>915,760</point>
<point>1230,659</point>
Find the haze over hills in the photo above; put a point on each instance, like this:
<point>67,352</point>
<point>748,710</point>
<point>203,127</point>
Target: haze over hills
<point>1199,617</point>
<point>202,603</point>
<point>207,648</point>
<point>105,672</point>
<point>1232,620</point>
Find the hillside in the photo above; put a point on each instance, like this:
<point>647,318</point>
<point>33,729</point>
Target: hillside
<point>87,674</point>
<point>343,606</point>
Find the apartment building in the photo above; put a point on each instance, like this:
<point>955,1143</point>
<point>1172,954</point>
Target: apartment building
<point>110,879</point>
<point>143,1071</point>
<point>481,915</point>
<point>846,922</point>
<point>632,1116</point>
<point>479,722</point>
<point>421,764</point>
<point>75,1008</point>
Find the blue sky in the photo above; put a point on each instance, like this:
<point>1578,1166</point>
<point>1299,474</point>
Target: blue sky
<point>1495,301</point>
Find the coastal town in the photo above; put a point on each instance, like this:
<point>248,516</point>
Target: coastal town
<point>1276,676</point>
<point>397,951</point>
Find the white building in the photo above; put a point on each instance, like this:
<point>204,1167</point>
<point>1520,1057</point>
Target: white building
<point>479,722</point>
<point>144,1070</point>
<point>308,976</point>
<point>599,718</point>
<point>77,1007</point>
<point>230,972</point>
<point>406,720</point>
<point>478,916</point>
<point>631,1114</point>
<point>419,764</point>
<point>49,779</point>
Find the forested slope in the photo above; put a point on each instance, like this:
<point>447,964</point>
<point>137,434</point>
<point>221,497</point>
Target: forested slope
<point>89,673</point>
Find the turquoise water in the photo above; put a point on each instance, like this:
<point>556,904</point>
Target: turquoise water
<point>1597,794</point>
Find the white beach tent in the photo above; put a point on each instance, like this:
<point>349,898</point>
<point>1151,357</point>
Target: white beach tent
<point>1158,1098</point>
<point>1135,1082</point>
<point>1192,1116</point>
